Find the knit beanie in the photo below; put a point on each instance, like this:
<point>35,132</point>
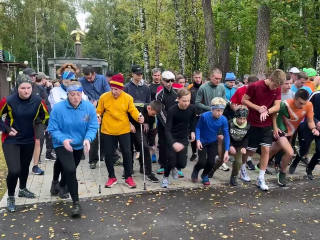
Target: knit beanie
<point>241,112</point>
<point>23,78</point>
<point>230,76</point>
<point>117,81</point>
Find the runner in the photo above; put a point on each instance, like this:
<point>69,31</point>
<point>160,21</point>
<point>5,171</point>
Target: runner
<point>238,129</point>
<point>18,137</point>
<point>312,74</point>
<point>181,80</point>
<point>207,131</point>
<point>58,94</point>
<point>263,98</point>
<point>73,125</point>
<point>156,81</point>
<point>302,78</point>
<point>286,92</point>
<point>193,88</point>
<point>230,83</point>
<point>94,85</point>
<point>149,111</point>
<point>113,108</point>
<point>291,113</point>
<point>306,137</point>
<point>181,123</point>
<point>294,73</point>
<point>167,95</point>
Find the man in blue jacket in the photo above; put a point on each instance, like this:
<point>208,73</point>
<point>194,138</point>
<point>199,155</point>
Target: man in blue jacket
<point>94,85</point>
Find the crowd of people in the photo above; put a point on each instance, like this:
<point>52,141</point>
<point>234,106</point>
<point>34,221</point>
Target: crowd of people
<point>221,122</point>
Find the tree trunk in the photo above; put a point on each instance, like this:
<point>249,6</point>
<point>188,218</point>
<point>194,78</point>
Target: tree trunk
<point>180,38</point>
<point>209,34</point>
<point>224,48</point>
<point>195,38</point>
<point>157,41</point>
<point>259,61</point>
<point>146,57</point>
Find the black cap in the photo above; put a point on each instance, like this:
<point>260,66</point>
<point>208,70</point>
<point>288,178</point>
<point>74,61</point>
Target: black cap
<point>29,71</point>
<point>137,69</point>
<point>110,74</point>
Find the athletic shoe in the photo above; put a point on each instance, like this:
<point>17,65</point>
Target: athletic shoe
<point>165,182</point>
<point>304,161</point>
<point>261,183</point>
<point>93,165</point>
<point>153,158</point>
<point>130,183</point>
<point>244,175</point>
<point>257,167</point>
<point>194,176</point>
<point>50,158</point>
<point>37,171</point>
<point>76,210</point>
<point>292,168</point>
<point>175,173</point>
<point>53,189</point>
<point>11,204</point>
<point>152,178</point>
<point>224,167</point>
<point>205,180</point>
<point>233,181</point>
<point>110,183</point>
<point>26,193</point>
<point>210,174</point>
<point>62,191</point>
<point>117,162</point>
<point>271,163</point>
<point>282,179</point>
<point>309,174</point>
<point>180,174</point>
<point>160,171</point>
<point>193,157</point>
<point>250,165</point>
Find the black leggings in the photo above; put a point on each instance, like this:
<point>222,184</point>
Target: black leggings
<point>136,141</point>
<point>162,146</point>
<point>110,142</point>
<point>18,158</point>
<point>57,169</point>
<point>175,159</point>
<point>205,163</point>
<point>69,162</point>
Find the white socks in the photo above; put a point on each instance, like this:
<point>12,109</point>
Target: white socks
<point>249,158</point>
<point>261,174</point>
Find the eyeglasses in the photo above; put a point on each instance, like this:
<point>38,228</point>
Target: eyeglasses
<point>32,75</point>
<point>168,80</point>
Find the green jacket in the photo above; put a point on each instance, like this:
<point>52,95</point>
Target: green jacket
<point>206,93</point>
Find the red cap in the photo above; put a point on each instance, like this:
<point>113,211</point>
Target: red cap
<point>117,81</point>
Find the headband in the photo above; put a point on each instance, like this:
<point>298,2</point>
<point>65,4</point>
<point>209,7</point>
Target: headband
<point>218,106</point>
<point>74,88</point>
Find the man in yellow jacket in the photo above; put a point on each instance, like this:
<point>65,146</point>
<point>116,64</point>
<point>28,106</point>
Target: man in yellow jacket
<point>113,107</point>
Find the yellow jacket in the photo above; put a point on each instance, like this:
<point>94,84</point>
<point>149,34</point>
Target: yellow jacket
<point>114,113</point>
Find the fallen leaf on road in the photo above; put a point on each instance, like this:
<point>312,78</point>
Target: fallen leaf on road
<point>224,236</point>
<point>144,233</point>
<point>241,220</point>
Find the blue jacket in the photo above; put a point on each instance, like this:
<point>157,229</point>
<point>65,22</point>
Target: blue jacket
<point>96,88</point>
<point>208,128</point>
<point>77,124</point>
<point>229,92</point>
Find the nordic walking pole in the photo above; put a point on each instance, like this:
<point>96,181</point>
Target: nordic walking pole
<point>142,152</point>
<point>99,156</point>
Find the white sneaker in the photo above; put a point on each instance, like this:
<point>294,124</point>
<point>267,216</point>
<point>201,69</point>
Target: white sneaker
<point>244,175</point>
<point>224,167</point>
<point>261,183</point>
<point>175,173</point>
<point>165,182</point>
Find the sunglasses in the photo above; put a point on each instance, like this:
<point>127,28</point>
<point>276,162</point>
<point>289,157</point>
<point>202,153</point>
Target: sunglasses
<point>168,80</point>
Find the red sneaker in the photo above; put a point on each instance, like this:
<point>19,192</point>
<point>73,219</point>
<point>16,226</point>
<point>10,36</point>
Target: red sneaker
<point>110,183</point>
<point>130,183</point>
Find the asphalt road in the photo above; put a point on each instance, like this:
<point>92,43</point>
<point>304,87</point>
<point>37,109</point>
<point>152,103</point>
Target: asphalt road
<point>209,213</point>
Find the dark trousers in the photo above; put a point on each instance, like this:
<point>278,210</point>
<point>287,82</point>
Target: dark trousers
<point>69,162</point>
<point>94,148</point>
<point>57,169</point>
<point>136,141</point>
<point>194,143</point>
<point>18,158</point>
<point>204,162</point>
<point>175,159</point>
<point>162,146</point>
<point>152,137</point>
<point>305,138</point>
<point>110,143</point>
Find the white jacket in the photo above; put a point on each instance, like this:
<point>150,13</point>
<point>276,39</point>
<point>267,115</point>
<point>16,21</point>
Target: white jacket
<point>57,94</point>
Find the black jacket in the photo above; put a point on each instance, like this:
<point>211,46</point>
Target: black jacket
<point>140,93</point>
<point>193,88</point>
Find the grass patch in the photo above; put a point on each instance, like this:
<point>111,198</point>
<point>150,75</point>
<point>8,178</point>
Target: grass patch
<point>3,173</point>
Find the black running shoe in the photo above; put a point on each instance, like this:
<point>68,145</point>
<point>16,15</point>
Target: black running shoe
<point>93,165</point>
<point>53,189</point>
<point>309,174</point>
<point>292,168</point>
<point>62,191</point>
<point>250,165</point>
<point>210,174</point>
<point>152,178</point>
<point>304,161</point>
<point>76,210</point>
<point>26,193</point>
<point>282,179</point>
<point>233,181</point>
<point>193,157</point>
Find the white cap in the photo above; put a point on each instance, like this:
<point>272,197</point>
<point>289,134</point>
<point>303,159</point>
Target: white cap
<point>294,70</point>
<point>168,75</point>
